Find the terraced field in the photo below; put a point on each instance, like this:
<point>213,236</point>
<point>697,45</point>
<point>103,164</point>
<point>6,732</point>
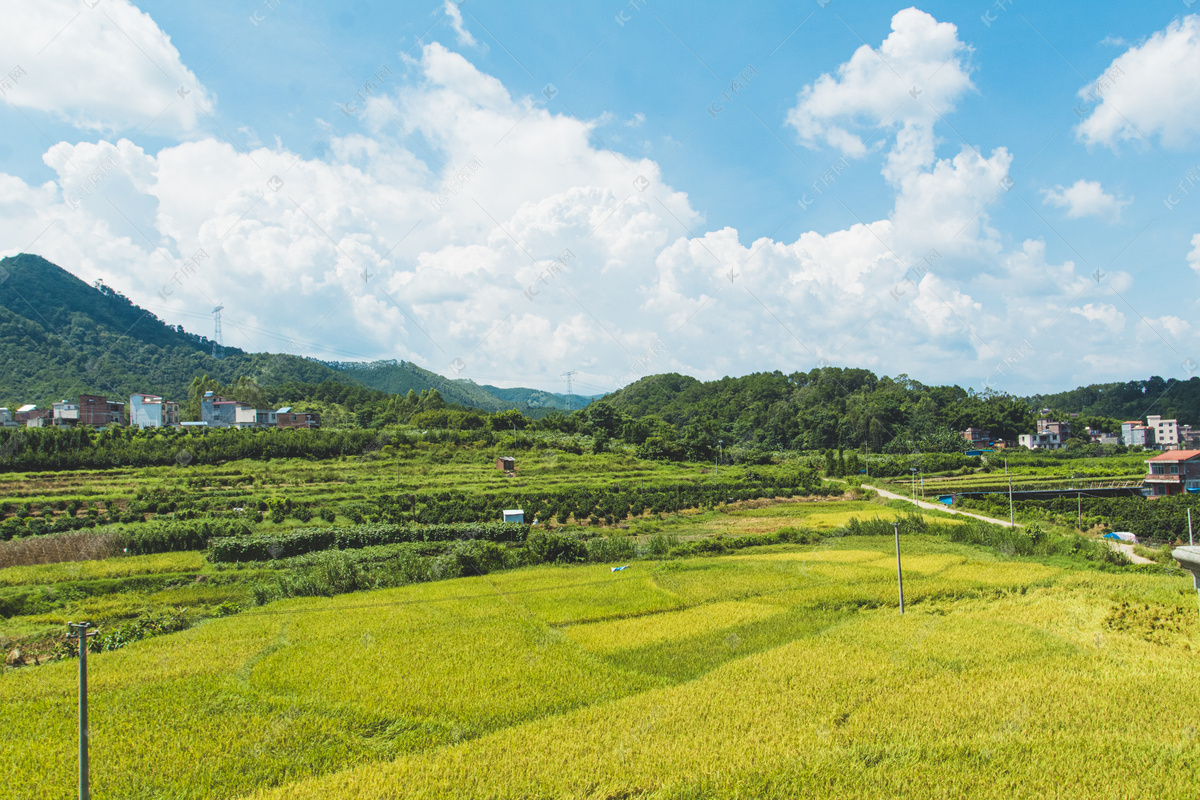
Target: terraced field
<point>780,672</point>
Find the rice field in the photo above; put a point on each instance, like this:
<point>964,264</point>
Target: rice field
<point>782,672</point>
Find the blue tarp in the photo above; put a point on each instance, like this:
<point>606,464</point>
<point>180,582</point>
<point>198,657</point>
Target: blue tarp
<point>948,499</point>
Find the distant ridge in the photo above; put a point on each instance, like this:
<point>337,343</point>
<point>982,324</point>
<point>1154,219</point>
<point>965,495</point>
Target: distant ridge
<point>60,337</point>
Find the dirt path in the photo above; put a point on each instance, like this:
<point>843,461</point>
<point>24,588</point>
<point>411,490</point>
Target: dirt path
<point>941,507</point>
<point>1127,549</point>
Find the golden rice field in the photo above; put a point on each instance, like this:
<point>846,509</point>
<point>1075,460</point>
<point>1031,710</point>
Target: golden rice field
<point>780,672</point>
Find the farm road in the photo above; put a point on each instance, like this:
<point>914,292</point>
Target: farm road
<point>940,507</point>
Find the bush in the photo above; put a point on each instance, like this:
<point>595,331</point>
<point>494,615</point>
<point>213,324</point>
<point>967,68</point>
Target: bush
<point>268,546</point>
<point>610,549</point>
<point>546,547</point>
<point>660,544</point>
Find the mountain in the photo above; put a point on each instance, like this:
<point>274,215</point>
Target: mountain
<point>60,337</point>
<point>399,377</point>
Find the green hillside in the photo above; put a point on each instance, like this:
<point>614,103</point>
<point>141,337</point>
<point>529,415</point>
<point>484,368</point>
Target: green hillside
<point>1169,398</point>
<point>60,337</point>
<point>400,377</point>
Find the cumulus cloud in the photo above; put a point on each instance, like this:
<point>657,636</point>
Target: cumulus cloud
<point>1193,257</point>
<point>510,247</point>
<point>1085,199</point>
<point>917,73</point>
<point>1104,313</point>
<point>1150,89</point>
<point>105,68</point>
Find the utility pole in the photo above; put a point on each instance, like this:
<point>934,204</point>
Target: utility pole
<point>1190,542</point>
<point>1079,513</point>
<point>80,629</point>
<point>913,470</point>
<point>720,453</point>
<point>899,572</point>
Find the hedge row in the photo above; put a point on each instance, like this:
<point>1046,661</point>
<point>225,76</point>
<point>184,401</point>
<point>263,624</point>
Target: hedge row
<point>264,547</point>
<point>618,500</point>
<point>168,537</point>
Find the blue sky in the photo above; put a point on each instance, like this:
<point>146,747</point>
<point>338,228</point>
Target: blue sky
<point>992,195</point>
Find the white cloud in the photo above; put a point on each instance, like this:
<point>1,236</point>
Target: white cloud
<point>1085,199</point>
<point>1151,89</point>
<point>1193,257</point>
<point>919,71</point>
<point>108,68</point>
<point>451,9</point>
<point>452,257</point>
<point>1104,313</point>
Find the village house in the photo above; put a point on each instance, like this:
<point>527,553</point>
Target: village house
<point>1173,472</point>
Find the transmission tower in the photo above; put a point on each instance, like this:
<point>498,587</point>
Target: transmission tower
<point>218,348</point>
<point>568,375</point>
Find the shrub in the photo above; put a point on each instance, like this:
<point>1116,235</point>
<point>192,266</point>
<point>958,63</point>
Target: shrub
<point>267,546</point>
<point>660,544</point>
<point>555,548</point>
<point>609,549</point>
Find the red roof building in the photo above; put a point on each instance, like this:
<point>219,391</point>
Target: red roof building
<point>1173,472</point>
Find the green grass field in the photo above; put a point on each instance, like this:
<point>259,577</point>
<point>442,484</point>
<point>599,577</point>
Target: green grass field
<point>778,672</point>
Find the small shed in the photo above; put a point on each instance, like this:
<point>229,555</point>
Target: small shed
<point>514,515</point>
<point>506,463</point>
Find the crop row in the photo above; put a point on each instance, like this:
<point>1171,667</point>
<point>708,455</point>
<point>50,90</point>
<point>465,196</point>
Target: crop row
<point>263,547</point>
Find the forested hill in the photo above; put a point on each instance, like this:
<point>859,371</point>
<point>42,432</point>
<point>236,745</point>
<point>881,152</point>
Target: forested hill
<point>401,377</point>
<point>1170,399</point>
<point>60,337</point>
<point>828,407</point>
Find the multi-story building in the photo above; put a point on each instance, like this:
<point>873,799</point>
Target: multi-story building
<point>1050,435</point>
<point>1173,472</point>
<point>99,411</point>
<point>1060,429</point>
<point>977,436</point>
<point>6,419</point>
<point>31,416</point>
<point>1166,431</point>
<point>217,412</point>
<point>151,411</point>
<point>66,413</point>
<point>1134,433</point>
<point>1048,440</point>
<point>1189,439</point>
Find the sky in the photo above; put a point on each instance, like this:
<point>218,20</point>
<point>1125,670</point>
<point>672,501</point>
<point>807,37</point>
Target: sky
<point>1000,196</point>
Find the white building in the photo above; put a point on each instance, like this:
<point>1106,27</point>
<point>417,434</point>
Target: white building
<point>246,417</point>
<point>66,412</point>
<point>151,411</point>
<point>1166,431</point>
<point>1045,440</point>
